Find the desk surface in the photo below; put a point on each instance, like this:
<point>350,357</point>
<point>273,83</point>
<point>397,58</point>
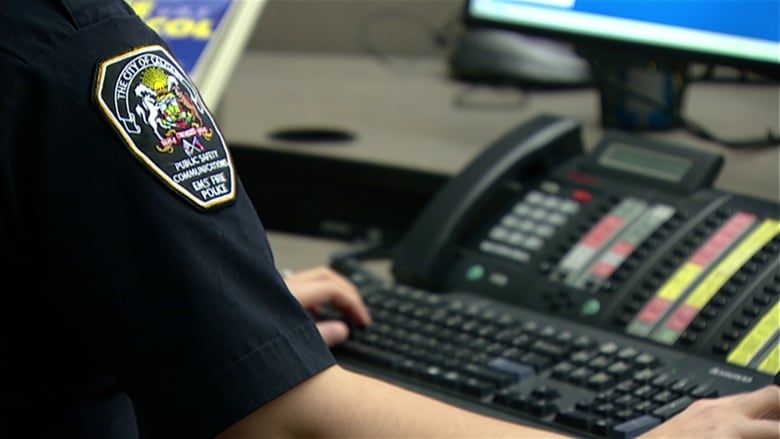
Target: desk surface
<point>404,113</point>
<point>298,252</point>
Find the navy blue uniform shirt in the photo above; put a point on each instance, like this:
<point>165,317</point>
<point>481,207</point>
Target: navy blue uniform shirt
<point>136,285</point>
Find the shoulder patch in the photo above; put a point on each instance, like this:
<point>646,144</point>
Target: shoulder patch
<point>160,115</point>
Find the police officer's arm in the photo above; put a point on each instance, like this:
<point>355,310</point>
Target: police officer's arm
<point>338,403</point>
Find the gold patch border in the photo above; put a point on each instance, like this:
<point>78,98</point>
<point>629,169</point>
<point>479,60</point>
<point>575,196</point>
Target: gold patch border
<point>100,82</point>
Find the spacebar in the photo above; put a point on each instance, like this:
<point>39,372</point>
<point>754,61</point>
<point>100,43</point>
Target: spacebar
<point>371,354</point>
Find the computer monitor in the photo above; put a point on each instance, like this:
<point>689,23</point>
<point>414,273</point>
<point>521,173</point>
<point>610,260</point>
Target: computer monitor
<point>647,43</point>
<point>207,37</point>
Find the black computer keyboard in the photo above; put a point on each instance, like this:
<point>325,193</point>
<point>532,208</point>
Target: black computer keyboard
<point>525,366</point>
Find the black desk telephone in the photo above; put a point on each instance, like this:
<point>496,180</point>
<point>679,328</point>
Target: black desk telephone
<point>596,294</point>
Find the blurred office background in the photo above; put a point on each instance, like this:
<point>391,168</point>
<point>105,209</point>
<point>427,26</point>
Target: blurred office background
<point>347,26</point>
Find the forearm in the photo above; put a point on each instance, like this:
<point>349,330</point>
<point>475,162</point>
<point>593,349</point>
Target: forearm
<point>341,404</point>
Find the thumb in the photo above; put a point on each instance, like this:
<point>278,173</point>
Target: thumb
<point>334,332</point>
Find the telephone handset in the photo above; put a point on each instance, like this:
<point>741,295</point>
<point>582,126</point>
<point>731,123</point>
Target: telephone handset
<point>532,148</point>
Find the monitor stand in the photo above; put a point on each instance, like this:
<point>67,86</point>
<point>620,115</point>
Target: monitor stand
<point>638,94</point>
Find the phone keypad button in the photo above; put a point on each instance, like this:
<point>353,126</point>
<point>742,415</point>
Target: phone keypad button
<point>526,227</point>
<point>522,209</point>
<point>557,218</point>
<point>532,243</point>
<point>499,233</point>
<point>545,231</point>
<point>516,239</point>
<point>535,197</point>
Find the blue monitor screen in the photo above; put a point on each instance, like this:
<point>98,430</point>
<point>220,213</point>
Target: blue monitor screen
<point>735,32</point>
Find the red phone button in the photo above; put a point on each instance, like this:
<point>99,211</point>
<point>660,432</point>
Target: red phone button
<point>582,196</point>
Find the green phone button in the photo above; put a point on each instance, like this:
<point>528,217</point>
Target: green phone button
<point>591,307</point>
<point>475,273</point>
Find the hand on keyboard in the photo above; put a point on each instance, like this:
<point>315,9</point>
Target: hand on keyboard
<point>322,286</point>
<point>745,415</point>
<point>578,380</point>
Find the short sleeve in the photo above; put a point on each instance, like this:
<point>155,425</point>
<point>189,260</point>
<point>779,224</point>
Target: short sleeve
<point>172,293</point>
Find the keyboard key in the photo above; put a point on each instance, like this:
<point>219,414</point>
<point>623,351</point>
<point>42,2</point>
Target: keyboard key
<point>583,342</point>
<point>546,393</point>
<point>605,409</point>
<point>635,427</point>
<point>619,370</point>
<point>494,376</point>
<point>465,384</point>
<point>549,349</point>
<point>581,357</point>
<point>682,385</point>
<point>662,380</point>
<point>644,392</point>
<point>372,354</point>
<point>599,362</point>
<point>521,371</point>
<point>537,361</point>
<point>704,391</point>
<point>664,397</point>
<point>599,381</point>
<point>645,375</point>
<point>668,410</point>
<point>575,418</point>
<point>603,427</point>
<point>645,407</point>
<point>411,367</point>
<point>541,408</point>
<point>580,375</point>
<point>627,353</point>
<point>608,348</point>
<point>646,361</point>
<point>626,400</point>
<point>626,386</point>
<point>562,370</point>
<point>513,399</point>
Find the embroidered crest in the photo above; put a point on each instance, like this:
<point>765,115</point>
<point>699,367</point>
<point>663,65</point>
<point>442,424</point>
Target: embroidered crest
<point>161,117</point>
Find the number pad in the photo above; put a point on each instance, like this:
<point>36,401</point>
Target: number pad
<point>527,225</point>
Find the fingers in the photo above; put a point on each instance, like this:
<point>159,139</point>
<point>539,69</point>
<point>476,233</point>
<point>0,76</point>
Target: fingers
<point>314,294</point>
<point>760,429</point>
<point>320,286</point>
<point>333,332</point>
<point>317,273</point>
<point>750,415</point>
<point>761,403</point>
<point>321,274</point>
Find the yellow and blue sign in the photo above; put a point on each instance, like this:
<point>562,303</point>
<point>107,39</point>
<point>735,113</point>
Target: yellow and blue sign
<point>186,25</point>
